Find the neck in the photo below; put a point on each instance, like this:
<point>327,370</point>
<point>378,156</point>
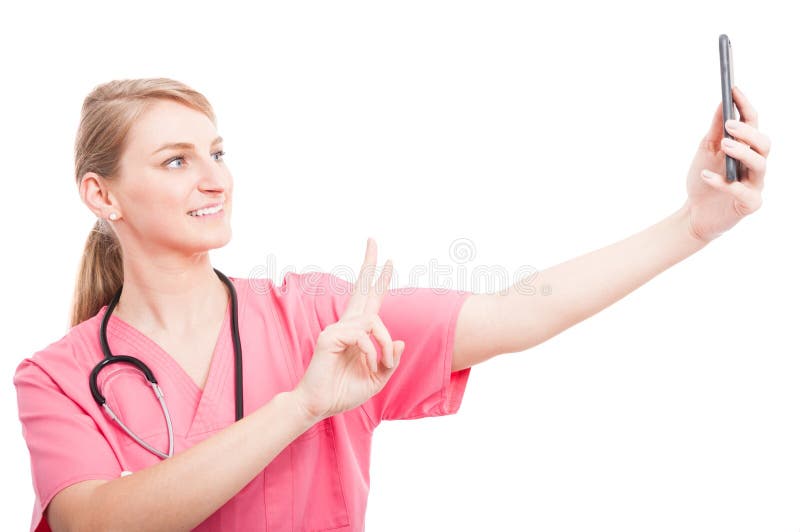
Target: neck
<point>172,299</point>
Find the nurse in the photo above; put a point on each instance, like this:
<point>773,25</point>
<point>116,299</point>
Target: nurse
<point>323,360</point>
<point>316,350</point>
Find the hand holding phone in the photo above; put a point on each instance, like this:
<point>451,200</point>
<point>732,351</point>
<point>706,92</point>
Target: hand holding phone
<point>728,107</point>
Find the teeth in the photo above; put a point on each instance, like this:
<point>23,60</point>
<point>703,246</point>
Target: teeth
<point>210,210</point>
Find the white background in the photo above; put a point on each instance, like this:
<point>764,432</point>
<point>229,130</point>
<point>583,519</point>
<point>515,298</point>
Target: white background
<point>539,131</point>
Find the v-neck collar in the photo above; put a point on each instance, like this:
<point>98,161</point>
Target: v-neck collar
<point>206,404</point>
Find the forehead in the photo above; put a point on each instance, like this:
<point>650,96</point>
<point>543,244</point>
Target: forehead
<point>166,121</point>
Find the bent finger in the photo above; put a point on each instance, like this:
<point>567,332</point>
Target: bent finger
<point>749,158</point>
<point>397,348</point>
<point>746,199</point>
<point>746,109</point>
<point>372,325</point>
<point>381,334</point>
<point>746,133</point>
<point>357,336</point>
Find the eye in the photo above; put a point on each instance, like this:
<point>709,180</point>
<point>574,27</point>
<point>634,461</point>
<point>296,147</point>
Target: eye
<point>182,157</point>
<point>174,159</point>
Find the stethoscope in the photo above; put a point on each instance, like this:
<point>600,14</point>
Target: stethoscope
<point>111,359</point>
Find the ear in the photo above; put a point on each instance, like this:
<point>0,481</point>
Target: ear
<point>94,192</point>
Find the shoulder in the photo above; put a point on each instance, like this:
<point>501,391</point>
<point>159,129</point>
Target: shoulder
<point>64,357</point>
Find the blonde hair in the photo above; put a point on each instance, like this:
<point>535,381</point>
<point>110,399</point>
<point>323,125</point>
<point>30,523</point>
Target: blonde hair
<point>108,114</point>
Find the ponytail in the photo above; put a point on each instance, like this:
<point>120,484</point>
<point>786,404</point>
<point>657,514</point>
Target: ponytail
<point>100,273</point>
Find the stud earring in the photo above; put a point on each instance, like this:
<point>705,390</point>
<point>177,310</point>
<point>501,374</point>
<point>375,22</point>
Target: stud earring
<point>112,216</point>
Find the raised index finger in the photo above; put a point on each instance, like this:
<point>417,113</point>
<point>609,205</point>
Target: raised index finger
<point>376,293</point>
<point>358,299</point>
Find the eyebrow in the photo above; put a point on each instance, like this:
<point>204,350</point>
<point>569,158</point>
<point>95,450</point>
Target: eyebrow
<point>183,145</point>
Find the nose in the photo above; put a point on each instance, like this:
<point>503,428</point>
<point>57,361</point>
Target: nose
<point>214,177</point>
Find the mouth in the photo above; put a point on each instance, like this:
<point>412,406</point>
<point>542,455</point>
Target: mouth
<point>207,212</point>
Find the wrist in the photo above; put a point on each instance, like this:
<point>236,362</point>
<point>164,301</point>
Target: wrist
<point>684,223</point>
<point>307,412</point>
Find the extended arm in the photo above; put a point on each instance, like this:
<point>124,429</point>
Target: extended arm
<point>491,324</point>
<point>520,318</point>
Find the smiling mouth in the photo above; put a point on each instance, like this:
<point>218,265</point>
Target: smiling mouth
<point>206,212</point>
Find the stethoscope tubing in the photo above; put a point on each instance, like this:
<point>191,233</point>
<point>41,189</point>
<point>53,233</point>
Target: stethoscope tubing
<point>109,358</point>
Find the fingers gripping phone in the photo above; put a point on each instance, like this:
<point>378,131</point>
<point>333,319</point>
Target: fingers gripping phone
<point>728,108</point>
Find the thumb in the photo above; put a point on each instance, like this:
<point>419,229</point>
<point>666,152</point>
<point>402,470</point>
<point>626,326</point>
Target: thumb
<point>715,131</point>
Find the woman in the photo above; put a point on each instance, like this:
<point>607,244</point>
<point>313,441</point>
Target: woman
<point>319,366</point>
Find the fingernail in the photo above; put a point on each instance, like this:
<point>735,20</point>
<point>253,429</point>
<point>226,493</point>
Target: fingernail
<point>732,124</point>
<point>729,142</point>
<point>707,175</point>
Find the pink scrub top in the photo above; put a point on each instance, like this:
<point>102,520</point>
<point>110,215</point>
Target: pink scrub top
<point>320,481</point>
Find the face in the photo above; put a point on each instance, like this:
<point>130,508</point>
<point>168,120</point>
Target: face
<point>158,186</point>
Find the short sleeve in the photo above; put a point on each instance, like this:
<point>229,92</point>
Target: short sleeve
<point>65,444</point>
<point>425,319</point>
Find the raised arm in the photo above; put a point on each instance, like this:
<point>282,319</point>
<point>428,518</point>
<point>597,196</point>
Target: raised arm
<point>490,324</point>
<point>181,492</point>
<point>548,302</point>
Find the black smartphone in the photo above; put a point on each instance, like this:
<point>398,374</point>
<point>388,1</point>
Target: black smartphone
<point>728,107</point>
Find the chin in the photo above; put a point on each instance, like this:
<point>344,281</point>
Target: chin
<point>219,242</point>
<point>208,241</point>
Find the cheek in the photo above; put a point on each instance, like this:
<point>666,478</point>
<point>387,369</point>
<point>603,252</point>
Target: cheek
<point>159,192</point>
<point>159,206</point>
